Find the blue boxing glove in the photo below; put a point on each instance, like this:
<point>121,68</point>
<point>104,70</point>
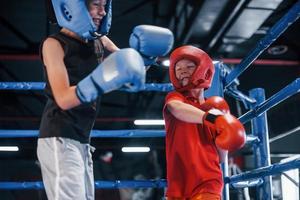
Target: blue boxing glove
<point>151,42</point>
<point>122,68</point>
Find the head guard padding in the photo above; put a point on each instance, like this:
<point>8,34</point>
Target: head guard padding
<point>203,74</point>
<point>74,15</point>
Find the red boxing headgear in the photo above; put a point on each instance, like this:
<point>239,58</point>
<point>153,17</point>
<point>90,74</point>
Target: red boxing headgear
<point>203,74</point>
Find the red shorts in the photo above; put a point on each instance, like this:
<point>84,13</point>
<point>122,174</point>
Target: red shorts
<point>200,196</point>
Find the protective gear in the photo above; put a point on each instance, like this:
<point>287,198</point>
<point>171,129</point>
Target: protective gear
<point>124,67</point>
<point>217,103</point>
<point>203,74</point>
<point>230,132</point>
<point>151,42</point>
<point>74,15</point>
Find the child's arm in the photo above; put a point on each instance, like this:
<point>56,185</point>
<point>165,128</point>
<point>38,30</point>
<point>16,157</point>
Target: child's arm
<point>222,154</point>
<point>185,112</point>
<point>230,132</point>
<point>108,44</point>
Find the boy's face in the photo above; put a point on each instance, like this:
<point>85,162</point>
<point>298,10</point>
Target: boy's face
<point>97,10</point>
<point>184,69</point>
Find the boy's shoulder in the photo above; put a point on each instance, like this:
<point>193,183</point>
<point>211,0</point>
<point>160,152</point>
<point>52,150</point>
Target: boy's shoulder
<point>174,95</point>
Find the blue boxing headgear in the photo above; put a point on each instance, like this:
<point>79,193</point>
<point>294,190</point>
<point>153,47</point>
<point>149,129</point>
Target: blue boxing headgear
<point>74,15</point>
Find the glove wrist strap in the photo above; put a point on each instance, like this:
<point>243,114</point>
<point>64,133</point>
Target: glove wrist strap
<point>211,118</point>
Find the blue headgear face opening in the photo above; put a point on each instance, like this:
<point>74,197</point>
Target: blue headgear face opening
<point>106,21</point>
<point>74,15</point>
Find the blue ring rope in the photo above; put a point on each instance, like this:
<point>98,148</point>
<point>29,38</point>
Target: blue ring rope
<point>38,185</point>
<point>131,133</point>
<point>160,87</point>
<point>264,171</point>
<point>250,175</point>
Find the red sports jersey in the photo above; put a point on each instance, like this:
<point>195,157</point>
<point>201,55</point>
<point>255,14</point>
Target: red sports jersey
<point>192,159</point>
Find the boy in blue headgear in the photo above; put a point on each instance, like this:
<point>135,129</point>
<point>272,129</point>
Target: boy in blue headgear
<point>75,77</point>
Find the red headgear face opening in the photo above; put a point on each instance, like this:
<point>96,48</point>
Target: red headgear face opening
<point>203,74</point>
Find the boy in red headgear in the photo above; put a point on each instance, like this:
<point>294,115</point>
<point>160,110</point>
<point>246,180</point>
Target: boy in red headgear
<point>199,131</point>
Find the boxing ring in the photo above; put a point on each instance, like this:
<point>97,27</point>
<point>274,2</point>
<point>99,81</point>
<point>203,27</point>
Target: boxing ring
<point>224,82</point>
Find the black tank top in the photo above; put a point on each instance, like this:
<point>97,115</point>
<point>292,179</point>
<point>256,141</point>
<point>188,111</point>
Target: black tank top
<point>76,123</point>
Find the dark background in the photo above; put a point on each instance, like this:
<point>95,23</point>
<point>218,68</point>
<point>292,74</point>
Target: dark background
<point>226,29</point>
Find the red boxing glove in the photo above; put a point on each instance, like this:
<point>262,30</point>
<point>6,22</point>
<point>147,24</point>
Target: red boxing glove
<point>217,103</point>
<point>231,133</point>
